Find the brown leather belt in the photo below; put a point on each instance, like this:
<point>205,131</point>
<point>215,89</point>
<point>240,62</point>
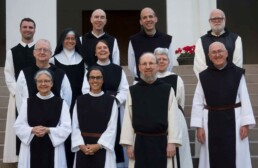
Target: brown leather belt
<point>94,135</point>
<point>225,107</point>
<point>151,134</point>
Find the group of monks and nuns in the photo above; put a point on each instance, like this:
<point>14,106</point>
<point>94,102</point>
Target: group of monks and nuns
<point>17,58</point>
<point>68,56</point>
<point>26,86</point>
<point>222,113</point>
<point>116,85</point>
<point>183,153</point>
<point>151,130</point>
<point>43,125</point>
<point>89,40</point>
<point>94,125</point>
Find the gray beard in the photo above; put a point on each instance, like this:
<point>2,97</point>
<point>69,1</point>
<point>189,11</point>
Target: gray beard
<point>150,79</point>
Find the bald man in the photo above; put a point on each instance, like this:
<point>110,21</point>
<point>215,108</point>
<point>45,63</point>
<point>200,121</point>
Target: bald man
<point>222,113</point>
<point>147,40</point>
<point>89,40</point>
<point>218,32</point>
<point>151,127</point>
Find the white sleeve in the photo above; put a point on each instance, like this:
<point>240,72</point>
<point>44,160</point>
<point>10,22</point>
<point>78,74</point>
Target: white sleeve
<point>198,107</point>
<point>238,53</point>
<point>131,60</point>
<point>180,92</point>
<point>199,58</point>
<point>76,137</point>
<point>21,126</point>
<point>108,137</point>
<point>171,57</point>
<point>174,128</point>
<point>122,89</point>
<point>247,115</point>
<point>60,133</point>
<point>127,131</point>
<point>9,73</point>
<point>66,91</point>
<point>85,84</point>
<point>116,54</point>
<point>22,90</point>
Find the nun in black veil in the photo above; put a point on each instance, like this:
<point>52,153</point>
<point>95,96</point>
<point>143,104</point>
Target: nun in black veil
<point>69,56</point>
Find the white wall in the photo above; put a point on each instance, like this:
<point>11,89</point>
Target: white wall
<point>187,20</point>
<point>43,12</point>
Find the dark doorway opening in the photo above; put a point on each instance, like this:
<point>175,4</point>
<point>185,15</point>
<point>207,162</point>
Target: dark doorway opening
<point>120,24</point>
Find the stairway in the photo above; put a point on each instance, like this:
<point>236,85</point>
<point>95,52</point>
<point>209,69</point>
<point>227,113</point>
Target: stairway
<point>190,81</point>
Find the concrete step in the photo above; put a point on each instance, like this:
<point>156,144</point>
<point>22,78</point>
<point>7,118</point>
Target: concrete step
<point>2,81</point>
<point>254,160</point>
<point>2,126</point>
<point>1,71</point>
<point>2,134</point>
<point>252,88</point>
<point>4,91</point>
<point>8,165</point>
<point>4,101</point>
<point>188,69</point>
<point>3,112</point>
<point>191,78</point>
<point>253,98</point>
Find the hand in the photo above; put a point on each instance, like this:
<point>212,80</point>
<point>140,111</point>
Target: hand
<point>130,152</point>
<point>40,131</point>
<point>171,150</point>
<point>201,135</point>
<point>244,130</point>
<point>90,149</point>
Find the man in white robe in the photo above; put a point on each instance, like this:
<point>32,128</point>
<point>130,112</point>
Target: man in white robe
<point>222,113</point>
<point>42,54</point>
<point>17,58</point>
<point>157,119</point>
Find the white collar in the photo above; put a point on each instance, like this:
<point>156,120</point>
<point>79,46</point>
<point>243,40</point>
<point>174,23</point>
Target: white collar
<point>29,44</point>
<point>97,36</point>
<point>45,97</point>
<point>96,94</point>
<point>103,63</point>
<point>163,74</point>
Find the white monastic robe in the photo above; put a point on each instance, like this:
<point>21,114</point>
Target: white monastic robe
<point>57,135</point>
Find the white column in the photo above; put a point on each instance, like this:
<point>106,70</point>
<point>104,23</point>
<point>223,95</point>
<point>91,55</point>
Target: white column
<point>187,20</point>
<point>43,12</point>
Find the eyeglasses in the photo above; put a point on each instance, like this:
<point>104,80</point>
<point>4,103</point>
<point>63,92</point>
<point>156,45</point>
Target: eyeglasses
<point>43,81</point>
<point>145,64</point>
<point>214,53</point>
<point>218,19</point>
<point>95,77</point>
<point>44,50</point>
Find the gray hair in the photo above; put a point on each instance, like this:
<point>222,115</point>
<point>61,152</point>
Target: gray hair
<point>44,41</point>
<point>161,51</point>
<point>45,72</point>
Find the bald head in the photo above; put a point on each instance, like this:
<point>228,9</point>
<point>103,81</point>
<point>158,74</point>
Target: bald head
<point>218,54</point>
<point>147,10</point>
<point>217,44</point>
<point>98,12</point>
<point>98,20</point>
